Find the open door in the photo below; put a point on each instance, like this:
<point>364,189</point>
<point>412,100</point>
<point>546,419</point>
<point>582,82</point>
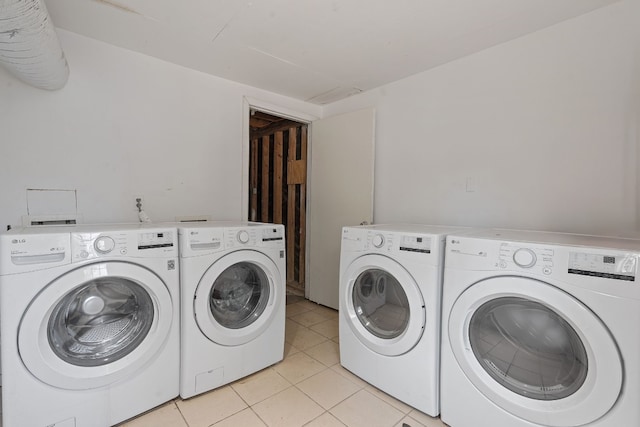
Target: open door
<point>340,194</point>
<point>339,190</point>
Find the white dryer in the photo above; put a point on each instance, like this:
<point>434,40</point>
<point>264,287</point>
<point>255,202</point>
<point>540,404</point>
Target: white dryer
<point>90,324</point>
<point>540,329</point>
<point>389,323</point>
<point>233,302</point>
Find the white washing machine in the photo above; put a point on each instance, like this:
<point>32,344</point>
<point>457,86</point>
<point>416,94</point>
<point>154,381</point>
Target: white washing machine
<point>540,329</point>
<point>233,302</point>
<point>390,290</point>
<point>90,324</point>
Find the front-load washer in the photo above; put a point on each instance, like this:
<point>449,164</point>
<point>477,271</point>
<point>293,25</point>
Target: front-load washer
<point>233,302</point>
<point>389,323</point>
<point>540,329</point>
<point>90,324</point>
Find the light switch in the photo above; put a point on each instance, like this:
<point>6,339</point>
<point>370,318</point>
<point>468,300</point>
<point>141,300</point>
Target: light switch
<point>470,185</point>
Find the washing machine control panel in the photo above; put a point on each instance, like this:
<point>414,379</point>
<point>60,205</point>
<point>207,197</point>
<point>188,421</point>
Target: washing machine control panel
<point>122,243</point>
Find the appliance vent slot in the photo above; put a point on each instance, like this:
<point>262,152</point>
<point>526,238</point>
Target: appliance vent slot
<point>54,222</point>
<point>50,220</point>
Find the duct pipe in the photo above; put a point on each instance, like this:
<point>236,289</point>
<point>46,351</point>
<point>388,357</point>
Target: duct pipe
<point>29,45</point>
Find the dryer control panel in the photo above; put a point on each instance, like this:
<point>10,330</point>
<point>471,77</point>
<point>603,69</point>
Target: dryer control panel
<point>271,235</point>
<point>610,266</point>
<point>534,258</point>
<point>198,241</point>
<point>415,243</point>
<point>408,245</point>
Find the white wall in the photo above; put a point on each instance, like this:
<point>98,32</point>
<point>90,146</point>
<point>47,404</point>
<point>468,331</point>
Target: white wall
<point>127,125</point>
<point>545,127</point>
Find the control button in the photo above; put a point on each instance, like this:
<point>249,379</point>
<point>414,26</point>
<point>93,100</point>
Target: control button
<point>503,264</point>
<point>524,258</point>
<point>378,240</point>
<point>104,244</point>
<point>546,270</point>
<point>243,236</point>
<point>123,251</point>
<point>84,254</point>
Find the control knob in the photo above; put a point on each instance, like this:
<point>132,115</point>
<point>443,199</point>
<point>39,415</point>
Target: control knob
<point>104,244</point>
<point>243,236</point>
<point>378,240</point>
<point>524,258</point>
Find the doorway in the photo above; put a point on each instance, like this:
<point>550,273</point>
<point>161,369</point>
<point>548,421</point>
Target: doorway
<point>278,185</point>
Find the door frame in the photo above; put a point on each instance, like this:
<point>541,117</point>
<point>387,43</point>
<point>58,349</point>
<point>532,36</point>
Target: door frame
<point>249,104</point>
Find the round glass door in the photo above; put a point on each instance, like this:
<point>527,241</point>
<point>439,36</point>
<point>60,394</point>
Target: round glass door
<point>239,295</point>
<point>535,351</point>
<point>100,321</point>
<point>528,348</point>
<point>96,325</point>
<point>382,304</point>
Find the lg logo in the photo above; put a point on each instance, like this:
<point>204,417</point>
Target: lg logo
<point>15,241</point>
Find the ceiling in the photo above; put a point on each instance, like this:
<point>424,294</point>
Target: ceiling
<point>317,51</point>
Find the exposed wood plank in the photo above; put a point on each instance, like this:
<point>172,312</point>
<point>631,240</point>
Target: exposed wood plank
<point>274,127</point>
<point>264,216</point>
<point>268,175</point>
<point>278,173</point>
<point>296,171</point>
<point>303,142</point>
<point>291,212</point>
<point>253,181</point>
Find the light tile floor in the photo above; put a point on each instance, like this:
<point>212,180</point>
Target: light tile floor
<point>308,388</point>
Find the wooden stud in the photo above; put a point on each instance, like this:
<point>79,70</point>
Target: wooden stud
<point>278,173</point>
<point>264,216</point>
<point>291,212</point>
<point>253,181</point>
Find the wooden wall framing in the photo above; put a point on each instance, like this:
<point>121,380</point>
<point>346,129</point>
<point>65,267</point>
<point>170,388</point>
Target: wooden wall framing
<point>277,189</point>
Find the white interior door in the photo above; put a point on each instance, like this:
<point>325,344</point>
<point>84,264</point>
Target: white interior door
<point>340,194</point>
